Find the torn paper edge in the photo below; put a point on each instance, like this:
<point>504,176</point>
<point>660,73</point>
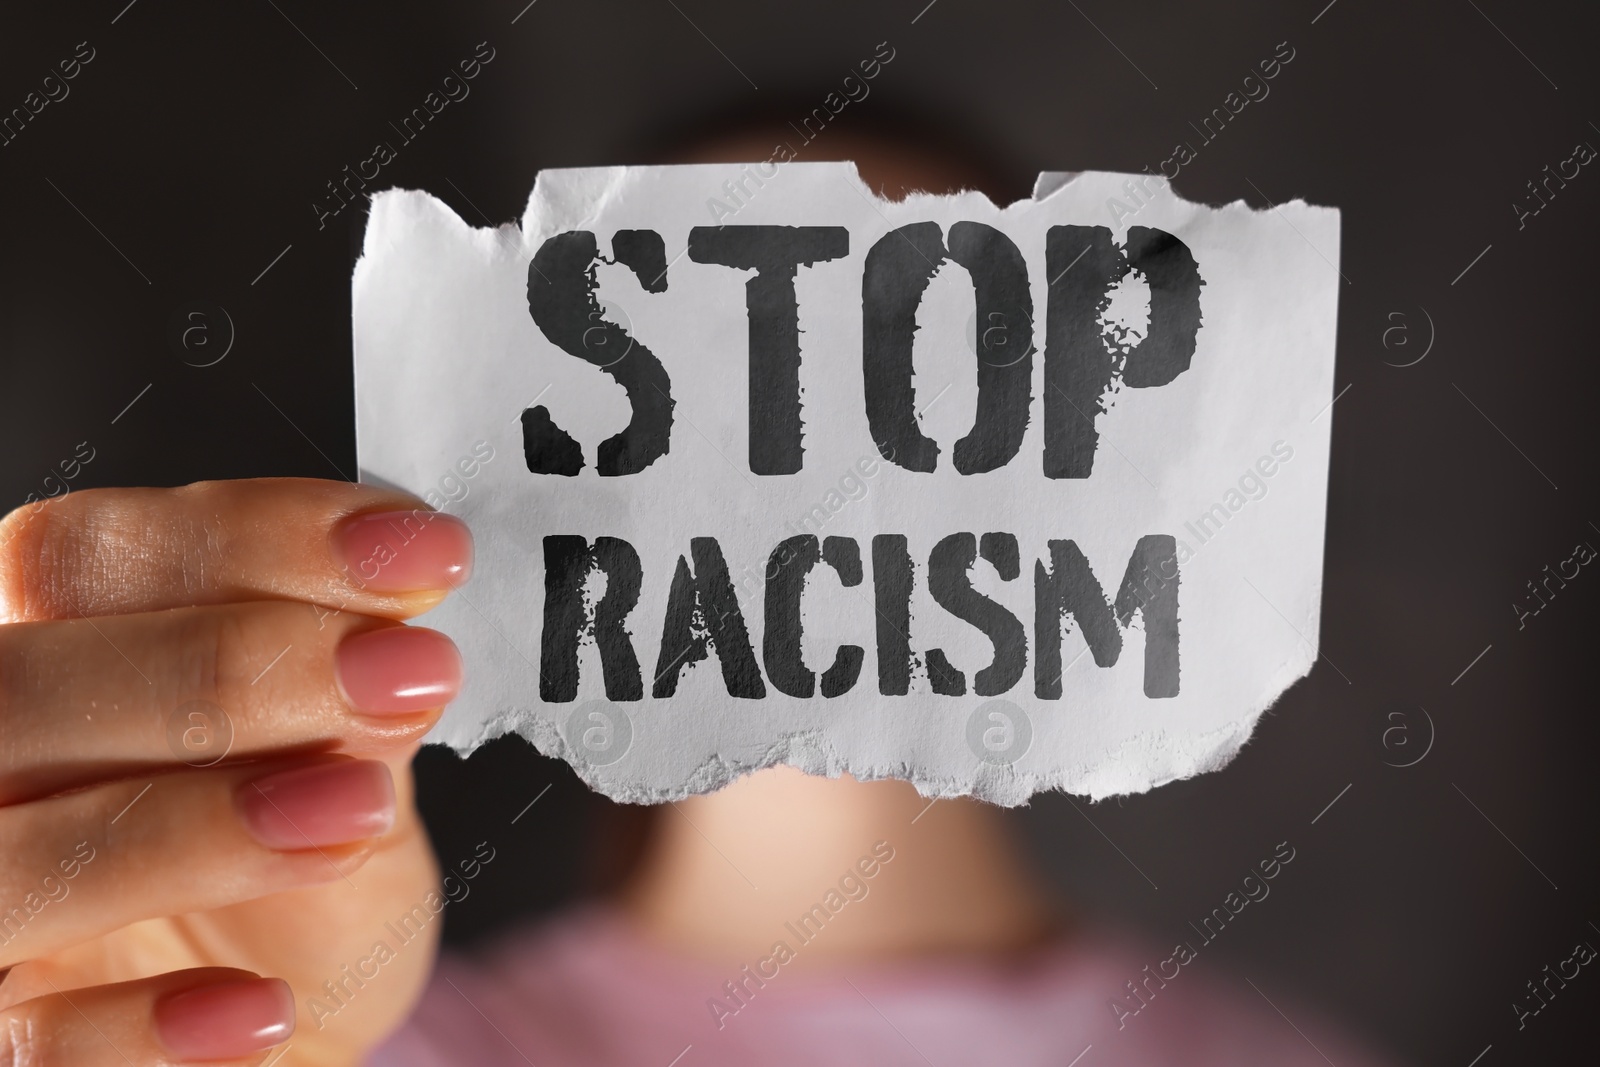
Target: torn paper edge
<point>809,750</point>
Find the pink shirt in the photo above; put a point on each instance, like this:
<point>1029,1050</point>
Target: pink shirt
<point>586,989</point>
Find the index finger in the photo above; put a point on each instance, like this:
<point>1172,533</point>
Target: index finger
<point>336,544</point>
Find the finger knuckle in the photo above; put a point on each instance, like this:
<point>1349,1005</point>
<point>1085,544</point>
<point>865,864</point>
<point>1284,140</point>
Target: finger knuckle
<point>87,551</point>
<point>198,524</point>
<point>222,649</point>
<point>37,542</point>
<point>255,658</point>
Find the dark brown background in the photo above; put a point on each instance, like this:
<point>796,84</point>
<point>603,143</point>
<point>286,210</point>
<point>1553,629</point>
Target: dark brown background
<point>196,141</point>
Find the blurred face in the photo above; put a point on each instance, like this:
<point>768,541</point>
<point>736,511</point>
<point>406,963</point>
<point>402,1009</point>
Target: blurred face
<point>890,170</point>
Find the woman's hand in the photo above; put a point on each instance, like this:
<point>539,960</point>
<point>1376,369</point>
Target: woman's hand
<point>208,709</point>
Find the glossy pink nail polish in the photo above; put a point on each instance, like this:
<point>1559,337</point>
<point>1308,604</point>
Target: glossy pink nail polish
<point>332,803</point>
<point>226,1020</point>
<point>404,551</point>
<point>397,670</point>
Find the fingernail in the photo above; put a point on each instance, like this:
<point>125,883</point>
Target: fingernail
<point>333,803</point>
<point>397,670</point>
<point>227,1020</point>
<point>404,551</point>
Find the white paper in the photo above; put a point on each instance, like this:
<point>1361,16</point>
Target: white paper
<point>449,356</point>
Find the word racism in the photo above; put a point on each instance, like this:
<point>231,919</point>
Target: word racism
<point>346,190</point>
<point>1143,990</point>
<point>853,886</point>
<point>703,612</point>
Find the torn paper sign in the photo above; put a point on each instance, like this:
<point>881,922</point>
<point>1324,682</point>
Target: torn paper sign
<point>765,469</point>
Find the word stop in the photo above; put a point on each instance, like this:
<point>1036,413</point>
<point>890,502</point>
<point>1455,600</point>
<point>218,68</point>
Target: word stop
<point>1082,263</point>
